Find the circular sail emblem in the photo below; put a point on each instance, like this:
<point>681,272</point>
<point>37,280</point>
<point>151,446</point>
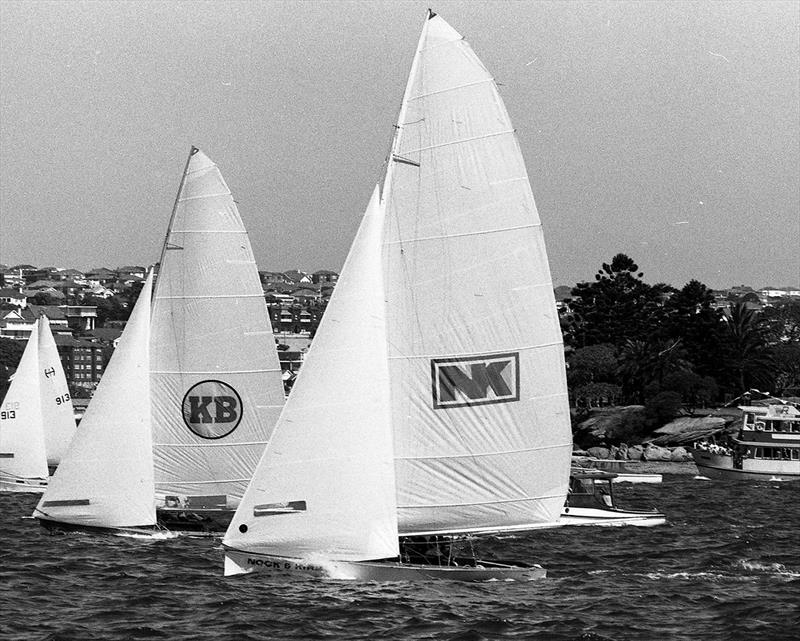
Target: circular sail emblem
<point>212,409</point>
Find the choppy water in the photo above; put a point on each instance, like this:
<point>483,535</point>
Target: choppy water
<point>727,566</point>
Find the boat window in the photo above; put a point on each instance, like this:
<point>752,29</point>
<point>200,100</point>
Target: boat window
<point>759,452</point>
<point>795,454</point>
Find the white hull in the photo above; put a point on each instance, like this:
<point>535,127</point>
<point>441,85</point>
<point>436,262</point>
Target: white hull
<point>637,478</point>
<point>238,562</point>
<point>609,517</point>
<point>12,484</point>
<point>720,466</point>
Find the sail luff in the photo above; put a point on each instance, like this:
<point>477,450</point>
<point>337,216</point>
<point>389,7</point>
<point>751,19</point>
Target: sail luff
<point>105,478</point>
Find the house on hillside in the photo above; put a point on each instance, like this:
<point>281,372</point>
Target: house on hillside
<point>296,276</point>
<point>324,276</point>
<point>13,297</point>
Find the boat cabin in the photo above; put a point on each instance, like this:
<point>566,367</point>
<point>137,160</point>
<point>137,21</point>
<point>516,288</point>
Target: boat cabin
<point>773,424</point>
<point>590,488</point>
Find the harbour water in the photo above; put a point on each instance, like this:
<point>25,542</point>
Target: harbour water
<point>726,566</point>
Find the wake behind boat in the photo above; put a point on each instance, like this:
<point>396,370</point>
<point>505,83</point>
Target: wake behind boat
<point>456,425</point>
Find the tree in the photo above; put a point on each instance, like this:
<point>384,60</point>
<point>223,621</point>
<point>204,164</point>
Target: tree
<point>10,355</point>
<point>746,353</point>
<point>617,307</point>
<point>691,317</point>
<point>645,365</point>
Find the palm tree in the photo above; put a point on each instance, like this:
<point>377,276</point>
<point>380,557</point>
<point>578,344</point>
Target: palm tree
<point>746,353</point>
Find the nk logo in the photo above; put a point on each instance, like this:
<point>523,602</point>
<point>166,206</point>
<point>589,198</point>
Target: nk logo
<point>475,380</point>
<point>212,409</point>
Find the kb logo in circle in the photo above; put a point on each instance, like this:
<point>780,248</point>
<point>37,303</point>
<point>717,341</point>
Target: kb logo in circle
<point>212,409</point>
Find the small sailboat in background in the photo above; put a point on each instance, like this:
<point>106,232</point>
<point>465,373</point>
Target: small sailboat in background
<point>37,420</point>
<point>457,424</point>
<point>216,387</point>
<point>105,480</point>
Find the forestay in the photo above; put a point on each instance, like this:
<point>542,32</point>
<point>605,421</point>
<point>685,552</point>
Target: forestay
<point>479,399</point>
<point>105,478</point>
<point>216,381</point>
<point>325,485</point>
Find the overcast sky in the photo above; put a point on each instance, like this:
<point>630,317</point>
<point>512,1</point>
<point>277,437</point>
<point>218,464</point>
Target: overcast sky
<point>667,131</point>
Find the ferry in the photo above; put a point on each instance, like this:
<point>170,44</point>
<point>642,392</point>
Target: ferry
<point>766,447</point>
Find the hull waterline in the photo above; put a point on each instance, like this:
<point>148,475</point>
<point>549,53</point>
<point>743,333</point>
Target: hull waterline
<point>239,562</point>
<point>572,516</point>
<point>720,467</point>
<point>11,484</point>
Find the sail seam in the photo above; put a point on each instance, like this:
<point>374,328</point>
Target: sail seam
<point>216,371</point>
<point>482,232</point>
<point>246,480</point>
<point>196,296</point>
<point>469,84</point>
<point>482,454</point>
<point>457,142</point>
<point>475,503</point>
<point>223,193</point>
<point>208,231</point>
<point>210,444</point>
<point>523,347</point>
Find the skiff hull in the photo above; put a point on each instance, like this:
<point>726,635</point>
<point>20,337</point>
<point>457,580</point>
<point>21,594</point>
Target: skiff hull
<point>238,562</point>
<point>720,467</point>
<point>610,517</point>
<point>60,527</point>
<point>12,484</point>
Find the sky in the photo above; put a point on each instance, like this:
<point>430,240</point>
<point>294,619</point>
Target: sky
<point>665,130</point>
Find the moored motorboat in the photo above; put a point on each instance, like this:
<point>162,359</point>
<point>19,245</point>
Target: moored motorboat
<point>766,447</point>
<point>591,501</point>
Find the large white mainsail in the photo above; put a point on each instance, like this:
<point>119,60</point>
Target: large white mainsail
<point>325,485</point>
<point>105,478</point>
<point>58,415</point>
<point>479,399</point>
<point>215,378</point>
<point>23,460</point>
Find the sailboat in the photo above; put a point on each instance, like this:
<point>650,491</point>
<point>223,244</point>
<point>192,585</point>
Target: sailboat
<point>433,402</point>
<point>216,387</point>
<point>37,420</point>
<point>105,480</point>
<point>183,418</point>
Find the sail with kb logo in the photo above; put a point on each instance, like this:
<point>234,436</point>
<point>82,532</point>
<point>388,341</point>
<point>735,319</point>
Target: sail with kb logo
<point>182,414</point>
<point>216,386</point>
<point>458,423</point>
<point>37,421</point>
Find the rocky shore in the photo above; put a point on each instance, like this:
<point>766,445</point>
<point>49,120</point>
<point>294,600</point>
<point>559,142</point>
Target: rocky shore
<point>647,458</point>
